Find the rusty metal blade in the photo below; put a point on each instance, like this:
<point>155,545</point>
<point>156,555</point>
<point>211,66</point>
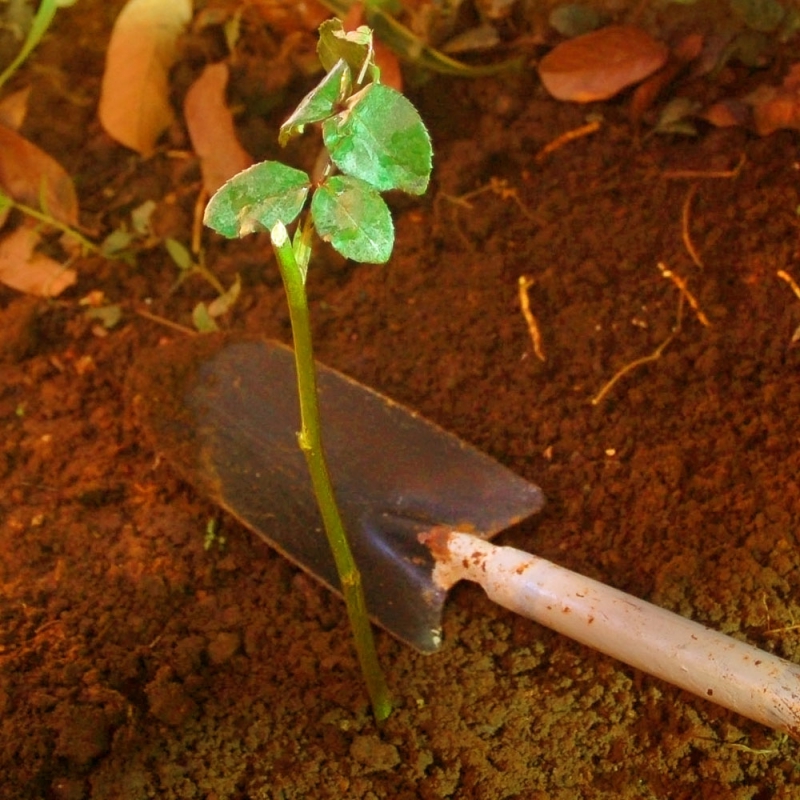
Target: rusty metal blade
<point>225,415</point>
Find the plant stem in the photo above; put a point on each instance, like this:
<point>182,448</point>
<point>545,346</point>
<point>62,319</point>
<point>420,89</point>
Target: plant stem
<point>310,440</point>
<point>41,216</point>
<point>41,22</point>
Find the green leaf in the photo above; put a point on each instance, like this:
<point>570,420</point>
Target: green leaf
<point>319,104</point>
<point>575,19</point>
<point>382,140</point>
<point>202,320</point>
<point>676,117</point>
<point>108,316</point>
<point>353,47</point>
<point>759,15</point>
<point>256,199</point>
<point>179,254</point>
<point>118,241</point>
<point>353,217</point>
<point>142,217</point>
<point>222,304</point>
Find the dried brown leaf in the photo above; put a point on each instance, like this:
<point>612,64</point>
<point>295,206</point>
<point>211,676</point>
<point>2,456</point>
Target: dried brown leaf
<point>24,269</point>
<point>35,178</point>
<point>600,64</point>
<point>290,16</point>
<point>777,107</point>
<point>211,128</point>
<point>645,95</point>
<point>727,113</point>
<point>689,47</point>
<point>134,98</point>
<point>14,107</point>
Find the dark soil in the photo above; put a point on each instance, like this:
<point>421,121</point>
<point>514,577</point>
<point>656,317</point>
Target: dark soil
<point>135,663</point>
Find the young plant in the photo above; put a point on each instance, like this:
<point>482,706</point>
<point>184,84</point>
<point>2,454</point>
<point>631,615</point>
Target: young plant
<point>374,141</point>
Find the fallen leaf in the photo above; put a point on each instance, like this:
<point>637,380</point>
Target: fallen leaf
<point>224,302</point>
<point>13,108</point>
<point>31,176</point>
<point>25,270</point>
<point>211,128</point>
<point>774,110</point>
<point>496,9</point>
<point>482,37</point>
<point>677,117</point>
<point>202,320</point>
<point>727,114</point>
<point>289,16</point>
<point>134,97</point>
<point>108,316</point>
<point>600,64</point>
<point>686,51</point>
<point>777,107</point>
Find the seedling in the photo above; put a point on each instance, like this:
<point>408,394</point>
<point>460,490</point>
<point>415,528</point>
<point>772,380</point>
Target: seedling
<point>212,536</point>
<point>203,314</point>
<point>127,240</point>
<point>374,140</point>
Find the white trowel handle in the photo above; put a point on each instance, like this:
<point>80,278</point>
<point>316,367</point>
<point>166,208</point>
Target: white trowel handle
<point>716,667</point>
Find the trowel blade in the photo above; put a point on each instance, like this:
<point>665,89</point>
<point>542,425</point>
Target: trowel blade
<point>225,415</point>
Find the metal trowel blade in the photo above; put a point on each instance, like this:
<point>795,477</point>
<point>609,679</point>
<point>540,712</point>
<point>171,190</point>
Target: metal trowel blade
<point>225,415</point>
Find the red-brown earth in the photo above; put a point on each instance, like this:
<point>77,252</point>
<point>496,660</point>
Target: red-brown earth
<point>136,663</point>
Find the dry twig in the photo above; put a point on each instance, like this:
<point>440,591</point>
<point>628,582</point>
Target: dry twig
<point>687,239</point>
<point>497,186</point>
<point>565,138</point>
<point>680,283</point>
<point>654,356</point>
<point>167,323</point>
<point>783,275</point>
<point>693,174</point>
<point>685,295</point>
<point>533,326</point>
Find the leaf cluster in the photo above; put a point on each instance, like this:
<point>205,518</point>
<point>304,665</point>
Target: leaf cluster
<point>375,141</point>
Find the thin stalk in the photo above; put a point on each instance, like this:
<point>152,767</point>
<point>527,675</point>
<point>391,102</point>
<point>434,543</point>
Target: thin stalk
<point>41,216</point>
<point>310,440</point>
<point>41,22</point>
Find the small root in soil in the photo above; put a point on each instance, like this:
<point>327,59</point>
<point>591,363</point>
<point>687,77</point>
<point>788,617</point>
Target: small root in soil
<point>533,326</point>
<point>566,138</point>
<point>685,233</point>
<point>681,284</point>
<point>684,296</point>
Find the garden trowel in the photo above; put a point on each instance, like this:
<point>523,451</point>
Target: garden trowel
<point>419,506</point>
